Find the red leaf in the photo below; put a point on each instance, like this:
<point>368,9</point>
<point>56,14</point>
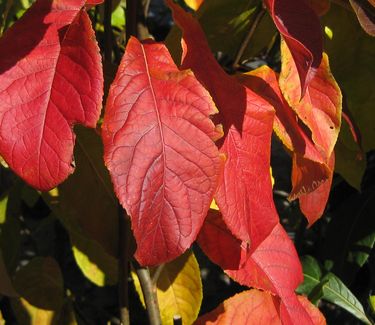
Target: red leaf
<point>245,194</point>
<point>272,266</point>
<point>310,170</point>
<point>50,79</point>
<point>313,204</point>
<point>321,7</point>
<point>94,2</point>
<point>309,167</point>
<point>158,148</point>
<point>254,307</point>
<point>300,27</point>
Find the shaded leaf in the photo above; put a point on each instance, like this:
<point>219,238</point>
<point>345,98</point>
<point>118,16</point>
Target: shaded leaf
<point>350,247</point>
<point>10,239</point>
<point>40,283</point>
<point>83,215</point>
<point>335,291</point>
<point>58,59</point>
<point>365,12</point>
<point>245,193</point>
<point>300,28</point>
<point>178,289</point>
<point>256,307</point>
<point>272,266</point>
<point>312,275</point>
<point>353,74</point>
<point>226,24</point>
<point>31,315</point>
<point>6,287</point>
<point>320,7</point>
<point>159,149</point>
<point>97,266</point>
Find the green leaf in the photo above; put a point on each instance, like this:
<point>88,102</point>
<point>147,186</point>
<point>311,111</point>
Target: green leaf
<point>90,214</point>
<point>10,237</point>
<point>226,24</point>
<point>28,314</point>
<point>336,292</point>
<point>353,67</point>
<point>40,283</point>
<point>371,301</point>
<point>312,275</point>
<point>6,287</point>
<point>99,267</point>
<point>179,289</point>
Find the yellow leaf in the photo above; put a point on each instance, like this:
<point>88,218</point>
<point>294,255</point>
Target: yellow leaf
<point>179,289</point>
<point>194,4</point>
<point>99,267</point>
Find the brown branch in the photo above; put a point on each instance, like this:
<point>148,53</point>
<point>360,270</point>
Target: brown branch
<point>123,265</point>
<point>249,35</point>
<point>149,294</point>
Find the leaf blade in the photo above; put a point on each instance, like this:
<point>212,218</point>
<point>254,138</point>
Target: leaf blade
<point>164,165</point>
<point>58,58</point>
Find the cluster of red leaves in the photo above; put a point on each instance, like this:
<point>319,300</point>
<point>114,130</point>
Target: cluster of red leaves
<point>159,139</point>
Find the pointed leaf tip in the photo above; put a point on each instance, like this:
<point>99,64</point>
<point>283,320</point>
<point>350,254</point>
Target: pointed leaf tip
<point>159,149</point>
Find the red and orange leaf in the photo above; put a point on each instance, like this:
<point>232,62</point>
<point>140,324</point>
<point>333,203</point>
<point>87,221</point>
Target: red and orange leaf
<point>272,266</point>
<point>291,131</point>
<point>313,204</point>
<point>320,108</point>
<point>309,166</point>
<point>256,307</point>
<point>245,193</point>
<point>159,149</point>
<point>314,312</point>
<point>50,79</point>
<point>252,307</point>
<point>300,27</point>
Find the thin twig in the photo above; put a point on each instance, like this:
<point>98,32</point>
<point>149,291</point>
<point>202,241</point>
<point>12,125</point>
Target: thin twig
<point>131,18</point>
<point>149,294</point>
<point>108,43</point>
<point>124,258</point>
<point>157,273</point>
<point>146,7</point>
<point>248,37</point>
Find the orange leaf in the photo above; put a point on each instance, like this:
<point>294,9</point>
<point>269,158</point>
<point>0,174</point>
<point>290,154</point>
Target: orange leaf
<point>310,169</point>
<point>254,307</point>
<point>320,108</point>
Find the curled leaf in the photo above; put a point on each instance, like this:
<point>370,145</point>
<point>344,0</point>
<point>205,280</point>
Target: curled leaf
<point>300,27</point>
